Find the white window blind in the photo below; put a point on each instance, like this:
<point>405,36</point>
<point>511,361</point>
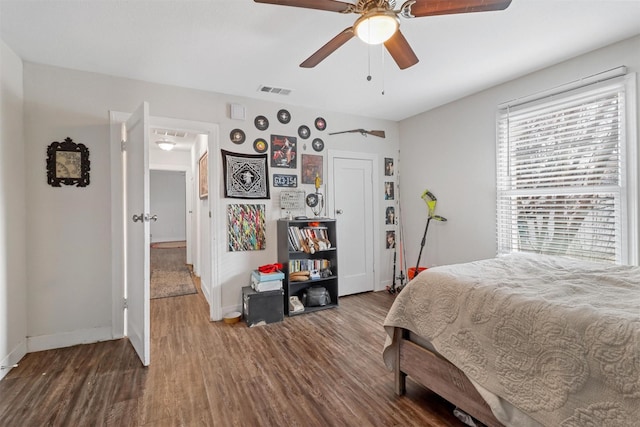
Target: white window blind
<point>561,177</point>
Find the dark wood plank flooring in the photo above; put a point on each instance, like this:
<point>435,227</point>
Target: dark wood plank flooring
<point>318,369</point>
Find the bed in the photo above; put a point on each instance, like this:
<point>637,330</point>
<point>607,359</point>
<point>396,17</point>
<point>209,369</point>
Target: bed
<point>523,340</point>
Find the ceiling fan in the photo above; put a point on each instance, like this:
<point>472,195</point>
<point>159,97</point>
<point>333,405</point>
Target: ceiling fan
<point>379,23</point>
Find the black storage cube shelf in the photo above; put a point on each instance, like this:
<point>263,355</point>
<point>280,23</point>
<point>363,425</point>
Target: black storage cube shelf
<point>264,307</point>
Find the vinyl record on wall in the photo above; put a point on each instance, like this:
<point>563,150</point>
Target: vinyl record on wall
<point>237,136</point>
<point>304,132</point>
<point>260,145</point>
<point>317,144</point>
<point>261,122</point>
<point>284,116</point>
<point>320,123</point>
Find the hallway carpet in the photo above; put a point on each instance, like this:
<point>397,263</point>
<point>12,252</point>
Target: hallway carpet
<point>170,275</point>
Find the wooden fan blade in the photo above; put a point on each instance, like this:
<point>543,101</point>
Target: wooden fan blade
<point>448,7</point>
<point>330,5</point>
<point>328,48</point>
<point>400,51</point>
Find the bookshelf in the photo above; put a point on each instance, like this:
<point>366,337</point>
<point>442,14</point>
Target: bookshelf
<point>295,254</point>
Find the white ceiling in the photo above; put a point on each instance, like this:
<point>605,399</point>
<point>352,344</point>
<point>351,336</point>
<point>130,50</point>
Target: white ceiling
<point>234,46</point>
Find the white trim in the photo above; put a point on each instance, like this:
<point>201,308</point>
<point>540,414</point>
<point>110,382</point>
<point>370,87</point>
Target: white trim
<point>375,172</point>
<point>68,339</point>
<point>633,163</point>
<point>13,358</point>
<point>214,294</point>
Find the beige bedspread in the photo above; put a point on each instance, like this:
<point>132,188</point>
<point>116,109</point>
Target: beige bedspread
<point>558,338</point>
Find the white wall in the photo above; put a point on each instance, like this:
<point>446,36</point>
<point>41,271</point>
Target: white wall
<point>13,282</point>
<point>451,151</point>
<point>167,199</point>
<point>69,235</point>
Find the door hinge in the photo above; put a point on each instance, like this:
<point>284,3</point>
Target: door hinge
<point>123,145</point>
<point>125,303</point>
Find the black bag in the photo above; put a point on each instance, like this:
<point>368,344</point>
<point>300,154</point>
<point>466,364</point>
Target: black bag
<point>316,296</point>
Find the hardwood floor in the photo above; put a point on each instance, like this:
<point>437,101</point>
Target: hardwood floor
<point>318,369</point>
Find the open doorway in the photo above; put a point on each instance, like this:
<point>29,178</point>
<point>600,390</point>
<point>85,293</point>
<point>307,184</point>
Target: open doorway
<point>126,215</point>
<point>169,267</point>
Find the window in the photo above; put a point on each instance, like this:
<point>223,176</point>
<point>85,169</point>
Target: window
<point>563,167</point>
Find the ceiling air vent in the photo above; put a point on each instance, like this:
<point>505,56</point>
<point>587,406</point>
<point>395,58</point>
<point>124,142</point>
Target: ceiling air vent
<point>277,90</point>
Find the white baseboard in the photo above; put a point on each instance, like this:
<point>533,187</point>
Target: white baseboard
<point>13,358</point>
<point>68,339</point>
<point>169,239</point>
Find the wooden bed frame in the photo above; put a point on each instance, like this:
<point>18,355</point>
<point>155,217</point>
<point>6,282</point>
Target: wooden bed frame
<point>440,376</point>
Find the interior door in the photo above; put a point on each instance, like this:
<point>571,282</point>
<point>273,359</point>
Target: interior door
<point>353,204</point>
<point>137,231</point>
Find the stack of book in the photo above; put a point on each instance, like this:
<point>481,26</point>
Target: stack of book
<point>308,264</point>
<point>297,236</point>
<point>262,282</point>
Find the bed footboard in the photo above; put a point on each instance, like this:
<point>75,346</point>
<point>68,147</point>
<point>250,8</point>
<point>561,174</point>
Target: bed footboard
<point>440,376</point>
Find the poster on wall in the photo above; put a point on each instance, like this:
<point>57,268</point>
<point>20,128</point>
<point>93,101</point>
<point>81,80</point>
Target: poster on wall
<point>245,175</point>
<point>246,227</point>
<point>311,167</point>
<point>203,185</point>
<point>391,240</point>
<point>283,152</point>
<point>388,166</point>
<point>388,191</point>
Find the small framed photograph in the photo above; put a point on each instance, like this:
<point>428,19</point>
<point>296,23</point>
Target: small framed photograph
<point>388,166</point>
<point>68,164</point>
<point>390,215</point>
<point>391,239</point>
<point>388,191</point>
<point>203,183</point>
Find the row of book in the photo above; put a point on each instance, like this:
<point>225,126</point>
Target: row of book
<point>299,237</point>
<point>308,264</point>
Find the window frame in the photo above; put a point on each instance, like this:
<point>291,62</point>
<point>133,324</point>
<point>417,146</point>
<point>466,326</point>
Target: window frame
<point>627,225</point>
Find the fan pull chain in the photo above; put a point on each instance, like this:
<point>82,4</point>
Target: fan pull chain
<point>382,50</point>
<point>369,63</point>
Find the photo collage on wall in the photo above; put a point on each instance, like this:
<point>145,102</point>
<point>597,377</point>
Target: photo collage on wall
<point>390,209</point>
<point>247,176</point>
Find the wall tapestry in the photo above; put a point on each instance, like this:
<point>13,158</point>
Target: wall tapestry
<point>246,227</point>
<point>283,152</point>
<point>245,175</point>
<point>311,167</point>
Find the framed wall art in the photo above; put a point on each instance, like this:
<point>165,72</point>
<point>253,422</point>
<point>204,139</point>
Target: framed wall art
<point>311,167</point>
<point>245,175</point>
<point>203,182</point>
<point>284,151</point>
<point>67,163</point>
<point>246,227</point>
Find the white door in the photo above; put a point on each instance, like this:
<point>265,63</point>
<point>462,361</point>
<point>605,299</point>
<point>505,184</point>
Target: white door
<point>137,231</point>
<point>353,203</point>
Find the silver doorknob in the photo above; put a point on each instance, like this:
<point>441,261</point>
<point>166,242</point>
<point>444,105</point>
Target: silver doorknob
<point>339,211</point>
<point>154,218</point>
<point>137,218</point>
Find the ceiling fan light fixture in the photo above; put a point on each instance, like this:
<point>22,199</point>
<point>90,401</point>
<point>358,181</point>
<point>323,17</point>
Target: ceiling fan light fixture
<point>165,144</point>
<point>376,26</point>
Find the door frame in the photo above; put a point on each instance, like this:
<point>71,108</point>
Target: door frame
<point>375,182</point>
<point>214,293</point>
